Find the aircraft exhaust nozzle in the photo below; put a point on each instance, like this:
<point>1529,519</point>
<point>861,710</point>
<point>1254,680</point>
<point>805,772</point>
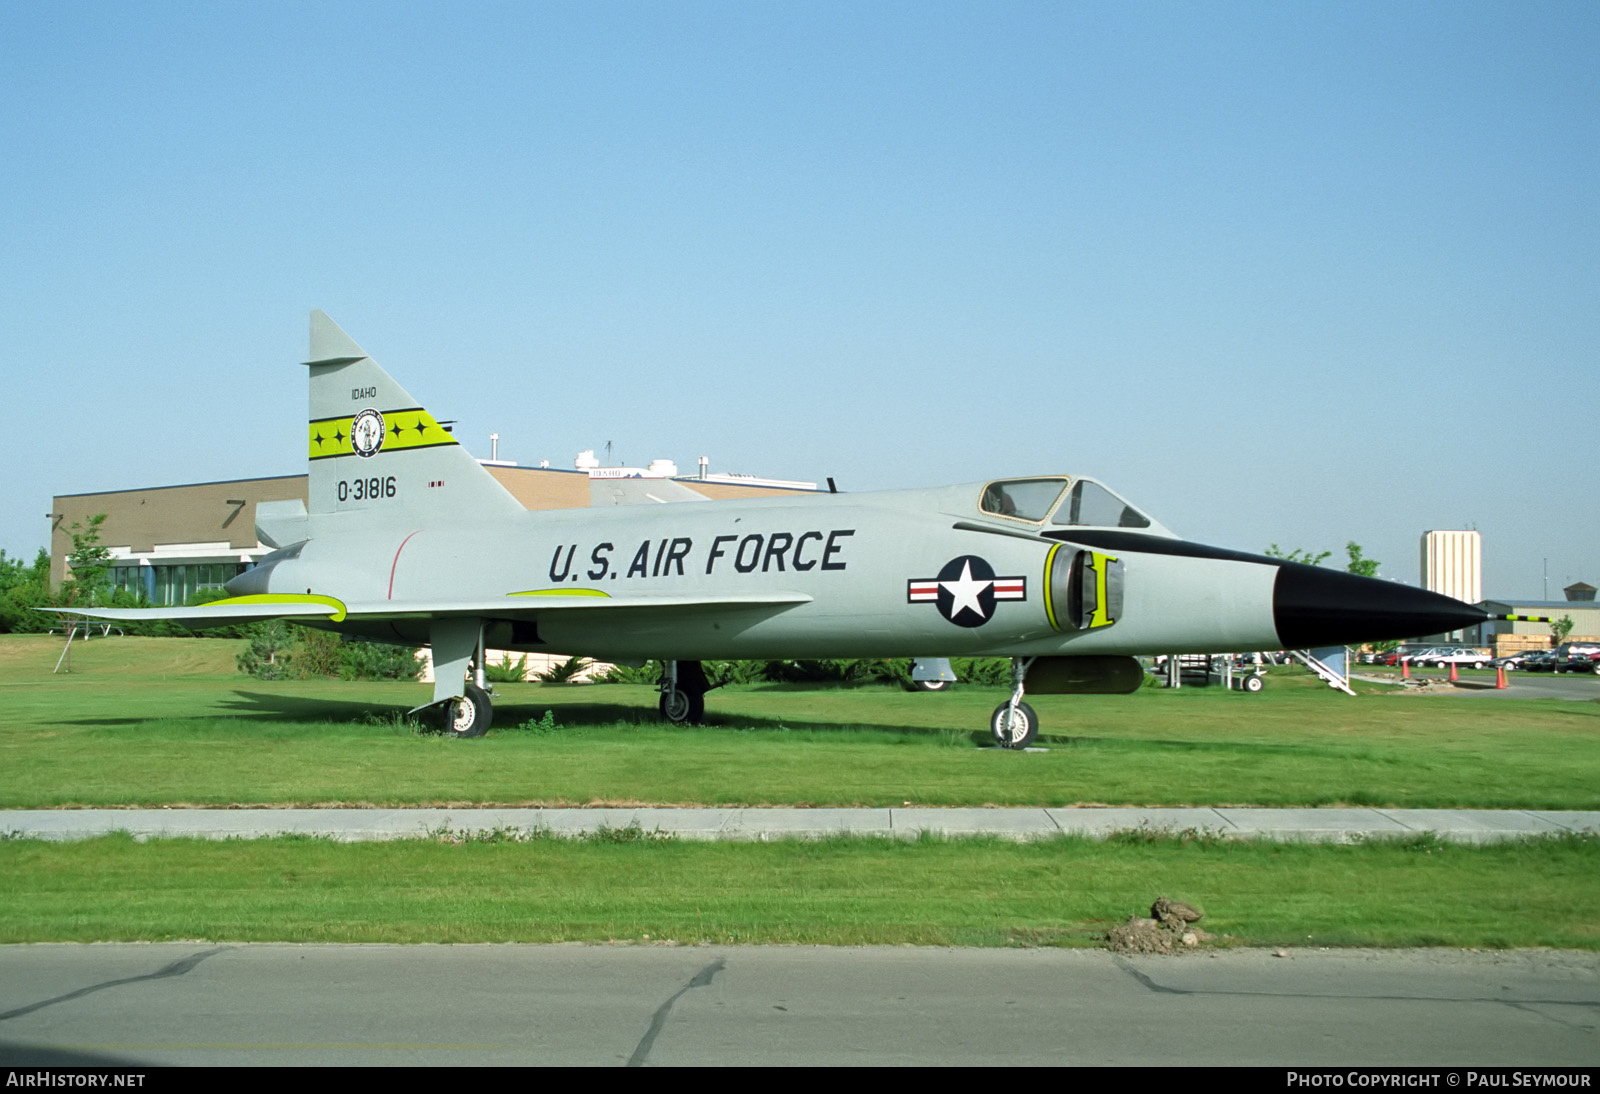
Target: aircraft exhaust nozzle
<point>1087,675</point>
<point>1315,607</point>
<point>257,580</point>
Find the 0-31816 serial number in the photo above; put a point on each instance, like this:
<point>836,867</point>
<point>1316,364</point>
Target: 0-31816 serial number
<point>367,489</point>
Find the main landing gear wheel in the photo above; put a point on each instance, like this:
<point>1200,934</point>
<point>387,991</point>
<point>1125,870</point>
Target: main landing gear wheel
<point>682,707</point>
<point>1014,729</point>
<point>683,692</point>
<point>468,716</point>
<point>929,685</point>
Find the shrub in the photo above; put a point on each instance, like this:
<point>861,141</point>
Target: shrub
<point>377,661</point>
<point>278,651</point>
<point>507,671</point>
<point>648,673</point>
<point>547,724</point>
<point>564,672</point>
<point>315,653</point>
<point>267,656</point>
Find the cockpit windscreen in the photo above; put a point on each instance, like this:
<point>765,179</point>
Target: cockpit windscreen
<point>1093,505</point>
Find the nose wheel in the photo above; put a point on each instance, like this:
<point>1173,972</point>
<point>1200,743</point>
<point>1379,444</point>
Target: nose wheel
<point>1014,724</point>
<point>1014,727</point>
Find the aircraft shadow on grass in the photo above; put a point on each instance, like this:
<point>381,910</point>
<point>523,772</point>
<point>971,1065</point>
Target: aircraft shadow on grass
<point>259,706</point>
<point>266,706</point>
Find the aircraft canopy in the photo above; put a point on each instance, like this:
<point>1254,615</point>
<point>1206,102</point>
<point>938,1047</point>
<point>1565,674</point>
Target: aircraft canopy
<point>1079,502</point>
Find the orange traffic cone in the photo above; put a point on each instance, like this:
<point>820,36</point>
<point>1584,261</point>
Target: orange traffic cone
<point>1499,677</point>
<point>1405,669</point>
<point>1452,672</point>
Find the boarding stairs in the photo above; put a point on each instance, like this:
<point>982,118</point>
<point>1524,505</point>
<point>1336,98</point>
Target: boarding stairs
<point>1330,675</point>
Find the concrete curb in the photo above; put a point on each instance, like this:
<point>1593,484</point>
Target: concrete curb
<point>356,825</point>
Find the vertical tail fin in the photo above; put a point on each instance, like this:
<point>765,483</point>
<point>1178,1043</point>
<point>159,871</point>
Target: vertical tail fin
<point>375,448</point>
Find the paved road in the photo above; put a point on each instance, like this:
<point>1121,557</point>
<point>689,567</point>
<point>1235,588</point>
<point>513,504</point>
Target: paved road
<point>1336,825</point>
<point>123,1005</point>
<point>1519,685</point>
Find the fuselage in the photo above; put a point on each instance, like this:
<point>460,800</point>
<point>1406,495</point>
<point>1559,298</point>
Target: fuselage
<point>902,573</point>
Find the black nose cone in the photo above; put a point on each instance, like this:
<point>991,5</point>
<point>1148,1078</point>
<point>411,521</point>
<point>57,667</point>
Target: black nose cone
<point>1316,607</point>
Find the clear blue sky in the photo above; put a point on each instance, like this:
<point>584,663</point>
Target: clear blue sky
<point>1282,272</point>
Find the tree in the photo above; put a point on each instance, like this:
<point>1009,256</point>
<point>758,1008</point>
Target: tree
<point>267,654</point>
<point>1297,555</point>
<point>1560,629</point>
<point>23,588</point>
<point>1360,564</point>
<point>89,562</point>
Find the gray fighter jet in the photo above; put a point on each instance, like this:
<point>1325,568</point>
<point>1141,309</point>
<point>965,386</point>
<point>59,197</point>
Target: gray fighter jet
<point>407,539</point>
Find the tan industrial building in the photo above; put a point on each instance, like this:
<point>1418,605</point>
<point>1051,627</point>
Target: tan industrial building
<point>1515,637</point>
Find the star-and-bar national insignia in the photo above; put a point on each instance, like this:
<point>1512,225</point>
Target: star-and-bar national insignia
<point>966,591</point>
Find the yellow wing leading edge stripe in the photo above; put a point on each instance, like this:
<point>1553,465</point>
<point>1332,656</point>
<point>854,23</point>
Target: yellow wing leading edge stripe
<point>398,429</point>
<point>334,605</point>
<point>561,592</point>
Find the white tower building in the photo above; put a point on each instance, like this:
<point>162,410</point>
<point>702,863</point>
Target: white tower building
<point>1452,564</point>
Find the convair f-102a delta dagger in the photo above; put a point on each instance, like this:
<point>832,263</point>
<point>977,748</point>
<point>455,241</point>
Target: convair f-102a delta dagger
<point>407,539</point>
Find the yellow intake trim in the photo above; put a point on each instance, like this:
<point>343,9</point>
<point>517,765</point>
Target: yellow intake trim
<point>1099,617</point>
<point>1049,597</point>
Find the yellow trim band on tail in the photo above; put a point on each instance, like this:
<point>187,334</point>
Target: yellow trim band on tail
<point>561,592</point>
<point>402,429</point>
<point>335,605</point>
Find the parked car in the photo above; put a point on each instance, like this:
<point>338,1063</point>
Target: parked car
<point>1452,655</point>
<point>1541,661</point>
<point>1581,662</point>
<point>1510,661</point>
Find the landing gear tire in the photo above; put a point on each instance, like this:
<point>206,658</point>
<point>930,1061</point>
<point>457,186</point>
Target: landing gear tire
<point>1014,731</point>
<point>929,685</point>
<point>468,716</point>
<point>682,707</point>
<point>1253,683</point>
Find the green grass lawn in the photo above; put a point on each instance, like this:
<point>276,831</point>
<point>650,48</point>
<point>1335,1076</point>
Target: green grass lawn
<point>838,891</point>
<point>168,721</point>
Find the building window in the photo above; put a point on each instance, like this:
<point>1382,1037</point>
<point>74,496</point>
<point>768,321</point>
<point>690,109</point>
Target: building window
<point>176,584</point>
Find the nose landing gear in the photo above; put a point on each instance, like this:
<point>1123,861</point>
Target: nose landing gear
<point>1014,724</point>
